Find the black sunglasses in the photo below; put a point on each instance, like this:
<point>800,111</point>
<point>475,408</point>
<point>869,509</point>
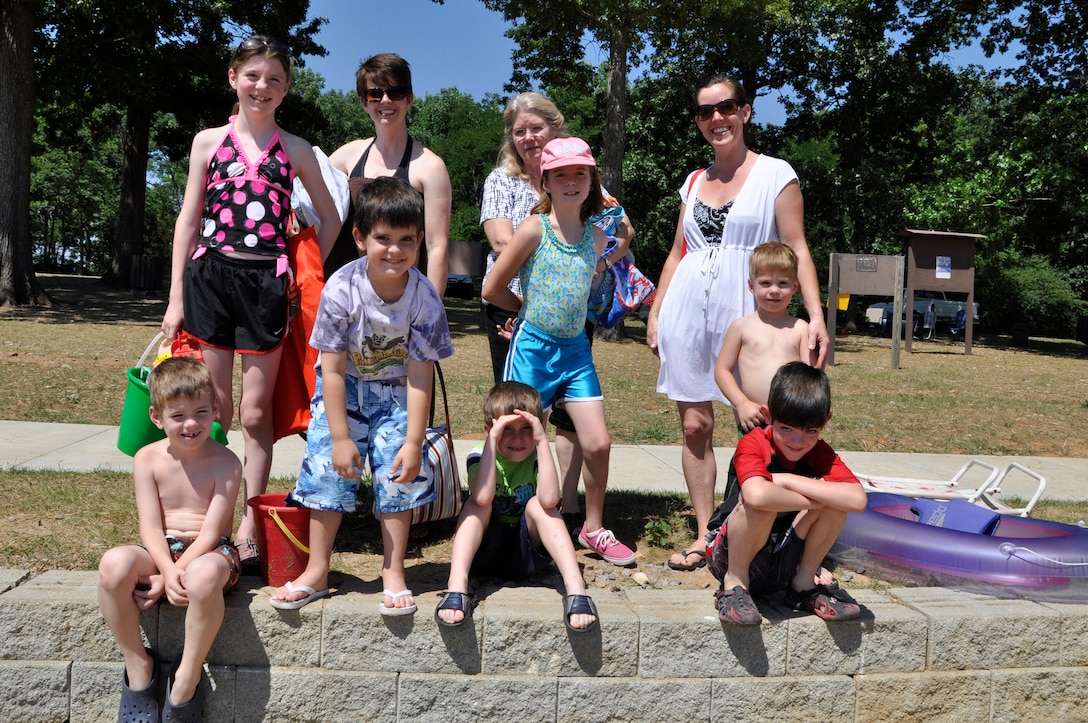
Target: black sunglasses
<point>258,42</point>
<point>395,92</point>
<point>726,107</point>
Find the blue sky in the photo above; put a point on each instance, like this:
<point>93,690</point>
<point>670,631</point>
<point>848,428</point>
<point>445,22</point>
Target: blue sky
<point>459,44</point>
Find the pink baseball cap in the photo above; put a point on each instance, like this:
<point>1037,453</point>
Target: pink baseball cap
<point>561,152</point>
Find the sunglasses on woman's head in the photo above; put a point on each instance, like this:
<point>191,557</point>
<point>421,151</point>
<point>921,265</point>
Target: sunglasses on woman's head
<point>726,107</point>
<point>257,43</point>
<point>395,92</point>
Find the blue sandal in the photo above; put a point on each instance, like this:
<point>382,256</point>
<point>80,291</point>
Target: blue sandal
<point>579,605</point>
<point>462,601</point>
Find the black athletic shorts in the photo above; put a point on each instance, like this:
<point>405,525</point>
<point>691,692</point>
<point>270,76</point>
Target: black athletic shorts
<point>233,303</point>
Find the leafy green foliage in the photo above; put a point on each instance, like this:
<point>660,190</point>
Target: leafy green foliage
<point>1036,291</point>
<point>466,134</point>
<point>658,532</point>
<point>72,197</point>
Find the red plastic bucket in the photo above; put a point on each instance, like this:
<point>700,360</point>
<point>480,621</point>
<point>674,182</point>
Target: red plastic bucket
<point>283,534</point>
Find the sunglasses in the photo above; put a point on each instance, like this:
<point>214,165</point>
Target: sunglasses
<point>726,107</point>
<point>395,92</point>
<point>258,42</point>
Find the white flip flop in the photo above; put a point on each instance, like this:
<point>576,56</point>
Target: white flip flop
<point>311,595</point>
<point>395,611</point>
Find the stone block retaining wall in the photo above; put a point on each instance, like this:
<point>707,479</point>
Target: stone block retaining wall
<point>917,654</point>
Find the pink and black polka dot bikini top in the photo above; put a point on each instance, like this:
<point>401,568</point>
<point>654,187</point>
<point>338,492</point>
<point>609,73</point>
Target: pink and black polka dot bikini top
<point>247,203</point>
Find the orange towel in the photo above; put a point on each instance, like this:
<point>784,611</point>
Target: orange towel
<point>296,380</point>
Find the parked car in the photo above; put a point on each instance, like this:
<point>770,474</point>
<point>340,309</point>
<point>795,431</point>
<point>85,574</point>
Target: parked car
<point>945,311</point>
<point>460,286</point>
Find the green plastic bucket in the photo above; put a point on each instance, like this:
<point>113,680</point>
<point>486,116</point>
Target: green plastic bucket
<point>136,428</point>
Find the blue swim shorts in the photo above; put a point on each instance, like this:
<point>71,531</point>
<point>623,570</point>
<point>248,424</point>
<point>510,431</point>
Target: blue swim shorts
<point>378,423</point>
<point>559,369</point>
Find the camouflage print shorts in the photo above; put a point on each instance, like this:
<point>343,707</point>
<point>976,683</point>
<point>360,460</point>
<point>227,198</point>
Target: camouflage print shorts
<point>224,547</point>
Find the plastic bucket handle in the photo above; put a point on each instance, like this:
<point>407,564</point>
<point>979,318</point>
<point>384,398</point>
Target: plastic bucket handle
<point>153,345</point>
<point>283,528</point>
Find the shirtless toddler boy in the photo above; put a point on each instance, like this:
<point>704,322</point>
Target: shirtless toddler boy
<point>757,345</point>
<point>186,489</point>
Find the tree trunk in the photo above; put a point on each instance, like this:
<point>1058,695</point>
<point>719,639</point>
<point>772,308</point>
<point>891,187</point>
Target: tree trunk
<point>614,334</point>
<point>615,131</point>
<point>128,239</point>
<point>18,286</point>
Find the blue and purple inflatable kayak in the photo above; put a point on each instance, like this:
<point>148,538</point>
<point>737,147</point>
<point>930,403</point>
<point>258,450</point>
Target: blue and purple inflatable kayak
<point>957,544</point>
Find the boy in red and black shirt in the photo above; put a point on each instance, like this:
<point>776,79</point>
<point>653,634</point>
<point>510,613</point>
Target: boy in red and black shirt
<point>791,497</point>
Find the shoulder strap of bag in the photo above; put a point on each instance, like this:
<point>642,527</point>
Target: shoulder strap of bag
<point>691,184</point>
<point>440,384</point>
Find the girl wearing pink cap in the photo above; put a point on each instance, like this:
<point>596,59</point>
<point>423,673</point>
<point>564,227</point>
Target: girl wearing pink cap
<point>558,252</point>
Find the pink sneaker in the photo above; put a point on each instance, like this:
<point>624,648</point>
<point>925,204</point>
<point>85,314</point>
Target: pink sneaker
<point>605,544</point>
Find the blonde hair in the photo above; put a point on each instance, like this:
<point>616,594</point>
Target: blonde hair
<point>505,397</point>
<point>772,257</point>
<point>179,377</point>
<point>509,160</point>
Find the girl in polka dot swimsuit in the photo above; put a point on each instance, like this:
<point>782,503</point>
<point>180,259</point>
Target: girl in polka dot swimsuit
<point>229,278</point>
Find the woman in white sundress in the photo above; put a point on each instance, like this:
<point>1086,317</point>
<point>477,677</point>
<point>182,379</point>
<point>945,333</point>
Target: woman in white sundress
<point>741,200</point>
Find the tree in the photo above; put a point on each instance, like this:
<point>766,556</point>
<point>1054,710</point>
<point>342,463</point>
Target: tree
<point>1024,191</point>
<point>74,197</point>
<point>1052,41</point>
<point>466,134</point>
<point>872,83</point>
<point>546,33</point>
<point>18,286</point>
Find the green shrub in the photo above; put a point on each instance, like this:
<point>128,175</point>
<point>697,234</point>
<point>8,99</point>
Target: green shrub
<point>1035,289</point>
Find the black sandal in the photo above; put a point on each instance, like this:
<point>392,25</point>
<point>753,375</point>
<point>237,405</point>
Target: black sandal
<point>685,565</point>
<point>579,605</point>
<point>141,706</point>
<point>462,601</point>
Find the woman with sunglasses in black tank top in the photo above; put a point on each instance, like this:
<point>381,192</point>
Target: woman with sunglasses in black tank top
<point>384,85</point>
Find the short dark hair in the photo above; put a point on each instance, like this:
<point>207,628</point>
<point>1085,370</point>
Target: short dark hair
<point>387,68</point>
<point>505,397</point>
<point>800,396</point>
<point>388,200</point>
<point>177,378</point>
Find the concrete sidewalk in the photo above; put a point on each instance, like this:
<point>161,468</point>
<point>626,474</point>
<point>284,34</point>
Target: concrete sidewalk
<point>657,468</point>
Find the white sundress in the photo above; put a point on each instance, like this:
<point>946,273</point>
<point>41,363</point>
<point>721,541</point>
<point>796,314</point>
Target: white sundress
<point>709,288</point>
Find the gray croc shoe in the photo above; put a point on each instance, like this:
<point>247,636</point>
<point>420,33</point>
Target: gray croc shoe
<point>140,706</point>
<point>192,711</point>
